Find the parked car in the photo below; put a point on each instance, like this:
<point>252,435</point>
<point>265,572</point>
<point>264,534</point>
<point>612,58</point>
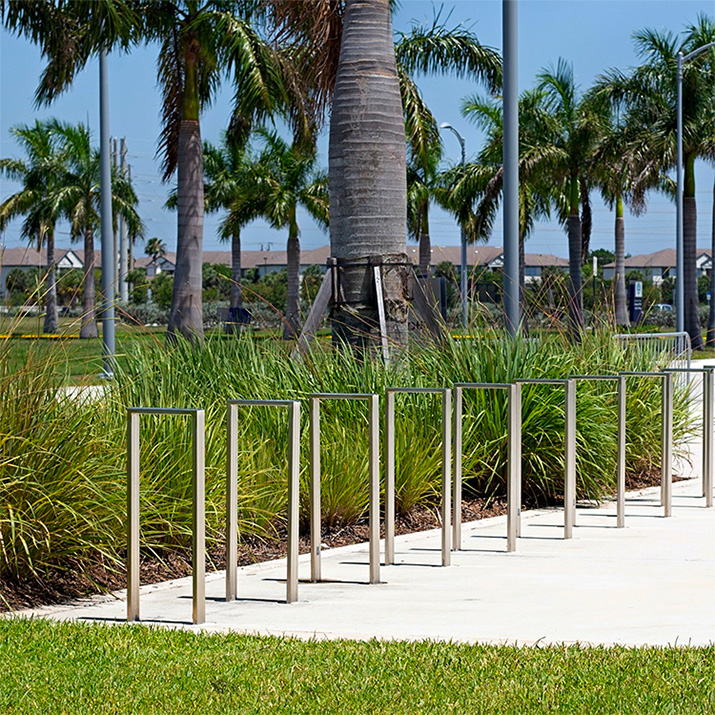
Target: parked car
<point>663,307</point>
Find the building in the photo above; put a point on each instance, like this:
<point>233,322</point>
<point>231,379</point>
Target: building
<point>660,265</point>
<point>28,258</point>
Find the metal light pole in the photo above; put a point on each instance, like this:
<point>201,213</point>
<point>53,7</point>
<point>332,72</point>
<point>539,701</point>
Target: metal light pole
<point>679,286</point>
<point>510,160</point>
<point>108,256</point>
<point>463,237</point>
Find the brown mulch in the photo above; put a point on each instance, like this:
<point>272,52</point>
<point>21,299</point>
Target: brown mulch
<point>60,586</point>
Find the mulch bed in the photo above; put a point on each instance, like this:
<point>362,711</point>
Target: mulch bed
<point>61,586</point>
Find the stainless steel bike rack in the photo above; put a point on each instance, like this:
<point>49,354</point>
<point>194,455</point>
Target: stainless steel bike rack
<point>666,479</point>
<point>513,487</point>
<point>198,551</point>
<point>374,456</point>
<point>390,467</point>
<point>708,414</point>
<point>621,453</point>
<point>569,386</point>
<point>232,494</point>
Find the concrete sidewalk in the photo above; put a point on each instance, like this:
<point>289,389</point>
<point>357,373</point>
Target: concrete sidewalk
<point>652,582</point>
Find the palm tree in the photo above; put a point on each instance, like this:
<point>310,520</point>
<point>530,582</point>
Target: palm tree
<point>199,41</point>
<point>230,185</point>
<point>39,175</point>
<point>479,184</point>
<point>289,177</point>
<point>155,248</point>
<point>353,61</point>
<point>650,90</point>
<point>78,200</point>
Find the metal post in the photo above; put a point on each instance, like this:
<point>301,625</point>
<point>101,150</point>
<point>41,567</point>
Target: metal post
<point>198,575</point>
<point>621,459</point>
<point>293,496</point>
<point>679,287</point>
<point>198,521</point>
<point>315,516</point>
<point>708,414</point>
<point>232,503</point>
<point>513,489</point>
<point>389,478</point>
<point>374,485</point>
<point>457,479</point>
<point>570,460</point>
<point>133,517</point>
<point>446,475</point>
<point>511,165</point>
<point>666,490</point>
<point>108,343</point>
<point>374,506</point>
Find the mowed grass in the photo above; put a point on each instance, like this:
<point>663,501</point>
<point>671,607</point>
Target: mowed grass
<point>53,667</point>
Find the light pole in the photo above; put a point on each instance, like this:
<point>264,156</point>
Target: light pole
<point>679,286</point>
<point>462,236</point>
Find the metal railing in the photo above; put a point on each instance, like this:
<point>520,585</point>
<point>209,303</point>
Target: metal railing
<point>708,415</point>
<point>390,467</point>
<point>198,530</point>
<point>513,489</point>
<point>666,478</point>
<point>621,449</point>
<point>569,386</point>
<point>232,493</point>
<point>665,348</point>
<point>374,461</point>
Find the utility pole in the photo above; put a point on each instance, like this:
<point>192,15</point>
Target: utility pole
<point>511,166</point>
<point>123,286</point>
<point>115,229</point>
<point>108,255</point>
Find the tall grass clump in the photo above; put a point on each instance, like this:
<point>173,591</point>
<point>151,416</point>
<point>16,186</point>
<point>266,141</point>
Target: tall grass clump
<point>63,461</point>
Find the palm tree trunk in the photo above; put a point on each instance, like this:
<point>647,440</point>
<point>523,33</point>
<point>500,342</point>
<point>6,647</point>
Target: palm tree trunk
<point>50,325</point>
<point>690,280</point>
<point>186,315</point>
<point>292,318</point>
<point>620,281</point>
<point>236,296</point>
<point>575,285</point>
<point>367,178</point>
<point>711,315</point>
<point>88,327</point>
<point>522,287</point>
<point>425,249</point>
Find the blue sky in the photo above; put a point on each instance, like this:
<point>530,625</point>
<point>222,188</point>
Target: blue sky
<point>592,34</point>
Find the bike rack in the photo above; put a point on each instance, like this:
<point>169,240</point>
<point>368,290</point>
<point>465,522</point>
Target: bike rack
<point>569,386</point>
<point>666,479</point>
<point>198,539</point>
<point>621,454</point>
<point>232,494</point>
<point>708,415</point>
<point>513,489</point>
<point>374,457</point>
<point>390,393</point>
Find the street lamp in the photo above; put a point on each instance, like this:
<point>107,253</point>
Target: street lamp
<point>679,286</point>
<point>462,234</point>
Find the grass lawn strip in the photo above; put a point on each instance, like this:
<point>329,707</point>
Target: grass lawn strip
<point>51,667</point>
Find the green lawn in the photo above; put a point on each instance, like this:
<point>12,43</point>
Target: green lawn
<point>51,667</point>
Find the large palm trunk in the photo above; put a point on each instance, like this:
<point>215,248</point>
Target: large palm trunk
<point>186,314</point>
<point>88,327</point>
<point>711,314</point>
<point>690,279</point>
<point>236,296</point>
<point>292,318</point>
<point>620,280</point>
<point>50,325</point>
<point>367,178</point>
